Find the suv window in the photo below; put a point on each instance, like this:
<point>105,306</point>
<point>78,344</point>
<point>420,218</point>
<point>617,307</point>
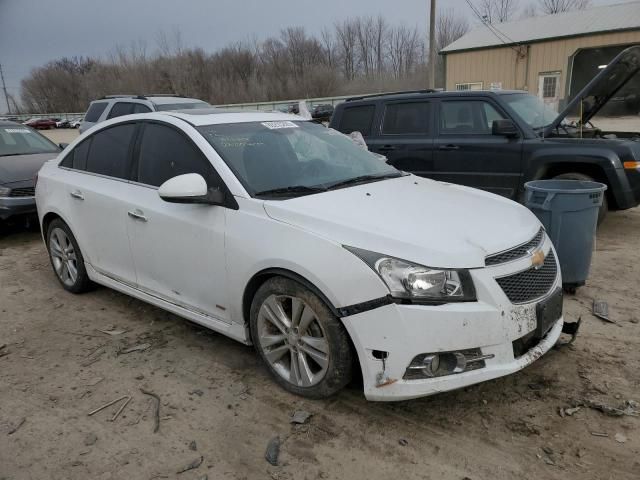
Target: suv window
<point>109,152</point>
<point>140,108</point>
<point>121,108</point>
<point>94,112</point>
<point>406,118</point>
<point>467,117</point>
<point>357,119</point>
<point>165,153</point>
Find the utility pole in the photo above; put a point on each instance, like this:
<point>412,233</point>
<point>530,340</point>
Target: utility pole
<point>432,46</point>
<point>4,88</point>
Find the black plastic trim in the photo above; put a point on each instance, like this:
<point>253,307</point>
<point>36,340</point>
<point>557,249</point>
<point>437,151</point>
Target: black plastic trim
<point>365,306</point>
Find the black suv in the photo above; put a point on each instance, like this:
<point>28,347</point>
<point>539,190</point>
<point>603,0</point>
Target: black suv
<point>498,140</point>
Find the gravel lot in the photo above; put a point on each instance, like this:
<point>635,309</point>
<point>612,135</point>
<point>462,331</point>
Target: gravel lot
<point>218,403</point>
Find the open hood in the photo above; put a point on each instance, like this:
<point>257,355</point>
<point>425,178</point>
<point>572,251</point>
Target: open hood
<point>601,88</point>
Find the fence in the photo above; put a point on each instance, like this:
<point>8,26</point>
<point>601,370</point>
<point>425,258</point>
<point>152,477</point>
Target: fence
<point>264,106</point>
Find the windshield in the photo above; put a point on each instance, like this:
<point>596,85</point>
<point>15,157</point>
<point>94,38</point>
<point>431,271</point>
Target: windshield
<point>163,107</point>
<point>21,140</point>
<point>294,156</point>
<point>531,109</point>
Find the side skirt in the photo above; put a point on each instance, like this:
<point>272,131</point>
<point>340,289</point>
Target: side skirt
<point>232,330</point>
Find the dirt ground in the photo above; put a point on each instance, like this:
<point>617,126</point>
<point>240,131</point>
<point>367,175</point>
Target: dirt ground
<point>218,404</point>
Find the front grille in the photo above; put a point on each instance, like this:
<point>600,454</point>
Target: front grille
<point>516,252</point>
<point>23,192</point>
<point>531,284</point>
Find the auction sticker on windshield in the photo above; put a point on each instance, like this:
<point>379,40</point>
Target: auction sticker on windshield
<point>277,125</point>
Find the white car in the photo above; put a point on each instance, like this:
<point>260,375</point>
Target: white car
<point>284,234</point>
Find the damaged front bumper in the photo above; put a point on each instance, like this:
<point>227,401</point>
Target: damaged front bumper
<point>483,328</point>
<point>476,341</point>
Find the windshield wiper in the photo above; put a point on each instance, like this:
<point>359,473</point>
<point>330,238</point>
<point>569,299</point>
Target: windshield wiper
<point>292,190</point>
<point>364,179</point>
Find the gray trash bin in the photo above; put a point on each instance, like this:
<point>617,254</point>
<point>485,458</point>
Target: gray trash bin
<point>568,209</point>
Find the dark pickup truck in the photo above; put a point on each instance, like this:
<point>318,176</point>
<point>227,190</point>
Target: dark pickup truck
<point>498,140</point>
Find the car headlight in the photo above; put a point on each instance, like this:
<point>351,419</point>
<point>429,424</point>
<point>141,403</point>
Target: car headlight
<point>5,191</point>
<point>411,281</point>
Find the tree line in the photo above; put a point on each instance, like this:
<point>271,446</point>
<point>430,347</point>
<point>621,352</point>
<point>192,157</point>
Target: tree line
<point>357,55</point>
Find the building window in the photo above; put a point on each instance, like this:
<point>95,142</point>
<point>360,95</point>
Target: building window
<point>468,86</point>
<point>549,85</point>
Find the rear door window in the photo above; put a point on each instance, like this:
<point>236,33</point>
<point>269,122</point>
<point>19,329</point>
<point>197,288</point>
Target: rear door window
<point>121,108</point>
<point>94,112</point>
<point>357,119</point>
<point>411,118</point>
<point>166,153</point>
<point>77,158</point>
<point>110,151</point>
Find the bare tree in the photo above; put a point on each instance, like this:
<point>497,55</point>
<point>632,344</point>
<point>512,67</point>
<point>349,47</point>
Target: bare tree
<point>498,11</point>
<point>550,7</point>
<point>449,27</point>
<point>346,37</point>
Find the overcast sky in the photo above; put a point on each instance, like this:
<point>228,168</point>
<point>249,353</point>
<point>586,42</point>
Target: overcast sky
<point>33,32</point>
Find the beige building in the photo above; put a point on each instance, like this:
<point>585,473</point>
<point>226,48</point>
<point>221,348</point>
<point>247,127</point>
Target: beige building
<point>552,56</point>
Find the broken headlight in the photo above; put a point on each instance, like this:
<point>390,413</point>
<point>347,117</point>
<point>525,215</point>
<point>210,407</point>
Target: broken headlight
<point>407,280</point>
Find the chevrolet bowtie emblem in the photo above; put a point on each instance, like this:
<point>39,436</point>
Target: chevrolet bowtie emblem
<point>537,259</point>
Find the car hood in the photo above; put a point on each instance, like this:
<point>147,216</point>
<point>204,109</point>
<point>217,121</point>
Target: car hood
<point>432,223</point>
<point>601,88</point>
<point>16,168</point>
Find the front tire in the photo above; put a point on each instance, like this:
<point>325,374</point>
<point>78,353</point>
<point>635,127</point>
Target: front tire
<point>604,208</point>
<point>66,258</point>
<point>304,345</point>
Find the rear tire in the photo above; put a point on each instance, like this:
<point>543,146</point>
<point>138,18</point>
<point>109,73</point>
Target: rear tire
<point>604,208</point>
<point>303,344</point>
<point>66,258</point>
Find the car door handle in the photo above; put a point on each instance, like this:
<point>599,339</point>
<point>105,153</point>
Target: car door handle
<point>449,147</point>
<point>77,194</point>
<point>387,148</point>
<point>137,215</point>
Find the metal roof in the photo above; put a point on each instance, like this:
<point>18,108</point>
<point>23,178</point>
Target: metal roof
<point>621,16</point>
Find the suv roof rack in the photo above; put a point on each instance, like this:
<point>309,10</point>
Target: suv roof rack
<point>142,97</point>
<point>384,94</point>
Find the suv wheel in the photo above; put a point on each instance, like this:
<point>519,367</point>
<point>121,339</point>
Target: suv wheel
<point>302,342</point>
<point>66,258</point>
<point>604,209</point>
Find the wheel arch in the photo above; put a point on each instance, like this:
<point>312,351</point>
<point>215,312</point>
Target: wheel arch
<point>593,170</point>
<point>262,276</point>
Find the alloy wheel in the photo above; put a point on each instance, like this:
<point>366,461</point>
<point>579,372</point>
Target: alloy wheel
<point>63,257</point>
<point>293,340</point>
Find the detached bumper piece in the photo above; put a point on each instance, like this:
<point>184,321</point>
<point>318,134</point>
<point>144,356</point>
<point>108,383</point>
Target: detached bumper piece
<point>440,364</point>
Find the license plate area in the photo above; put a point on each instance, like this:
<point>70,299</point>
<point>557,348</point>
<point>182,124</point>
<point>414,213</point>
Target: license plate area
<point>548,312</point>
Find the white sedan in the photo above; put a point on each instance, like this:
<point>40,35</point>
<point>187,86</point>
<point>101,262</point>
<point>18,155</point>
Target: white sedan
<point>286,235</point>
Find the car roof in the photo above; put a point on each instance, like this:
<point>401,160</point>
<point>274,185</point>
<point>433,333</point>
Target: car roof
<point>428,94</point>
<point>210,116</point>
<point>165,100</point>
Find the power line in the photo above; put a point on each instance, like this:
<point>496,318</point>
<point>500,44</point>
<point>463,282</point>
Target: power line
<point>497,33</point>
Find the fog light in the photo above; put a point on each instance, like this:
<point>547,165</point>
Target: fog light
<point>430,365</point>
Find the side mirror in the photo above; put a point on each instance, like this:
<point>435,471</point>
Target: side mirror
<point>63,145</point>
<point>190,188</point>
<point>504,128</point>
